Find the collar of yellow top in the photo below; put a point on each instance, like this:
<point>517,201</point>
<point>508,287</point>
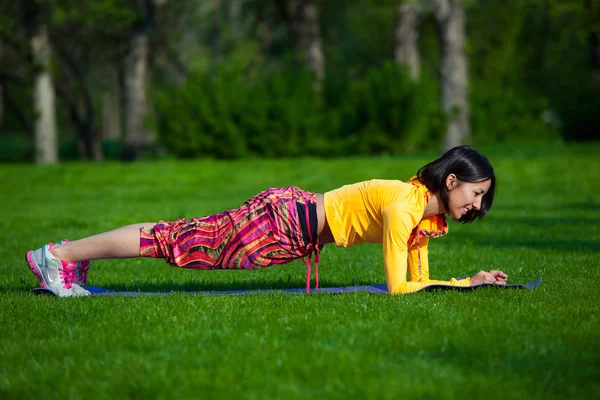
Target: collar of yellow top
<point>434,225</point>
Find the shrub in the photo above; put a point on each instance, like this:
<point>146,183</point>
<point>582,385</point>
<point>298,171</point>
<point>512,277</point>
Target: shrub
<point>244,108</point>
<point>500,114</point>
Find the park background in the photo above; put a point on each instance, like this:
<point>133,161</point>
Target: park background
<point>125,80</point>
<point>114,112</point>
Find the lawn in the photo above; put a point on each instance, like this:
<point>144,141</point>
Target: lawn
<point>543,343</point>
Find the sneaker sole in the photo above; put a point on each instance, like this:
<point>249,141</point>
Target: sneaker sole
<point>42,291</point>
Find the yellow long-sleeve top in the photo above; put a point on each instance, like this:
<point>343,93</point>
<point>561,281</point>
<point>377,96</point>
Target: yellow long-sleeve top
<point>389,212</point>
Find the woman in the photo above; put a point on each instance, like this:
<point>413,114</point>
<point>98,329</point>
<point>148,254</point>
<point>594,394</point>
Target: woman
<point>283,224</point>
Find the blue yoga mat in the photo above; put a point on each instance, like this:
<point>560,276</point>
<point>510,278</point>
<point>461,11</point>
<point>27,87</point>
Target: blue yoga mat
<point>380,289</point>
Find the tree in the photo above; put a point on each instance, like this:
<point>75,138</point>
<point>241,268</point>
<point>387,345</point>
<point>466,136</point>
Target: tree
<point>136,64</point>
<point>111,110</point>
<point>46,149</point>
<point>75,93</point>
<point>307,37</point>
<point>71,29</point>
<point>450,16</point>
<point>135,75</point>
<point>407,51</point>
<point>302,19</point>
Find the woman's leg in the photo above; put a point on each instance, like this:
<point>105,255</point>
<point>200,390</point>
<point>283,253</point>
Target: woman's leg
<point>119,243</point>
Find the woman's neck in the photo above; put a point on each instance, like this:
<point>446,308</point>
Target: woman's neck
<point>434,206</point>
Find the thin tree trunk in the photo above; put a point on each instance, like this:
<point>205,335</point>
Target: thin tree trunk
<point>136,137</point>
<point>407,51</point>
<point>111,111</point>
<point>450,16</point>
<point>46,149</point>
<point>82,111</point>
<point>307,38</point>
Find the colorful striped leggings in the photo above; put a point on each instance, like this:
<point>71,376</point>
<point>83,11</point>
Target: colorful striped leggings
<point>273,227</point>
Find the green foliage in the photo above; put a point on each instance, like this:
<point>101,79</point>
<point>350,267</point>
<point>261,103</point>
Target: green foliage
<point>15,147</point>
<point>530,75</point>
<point>500,114</point>
<point>540,344</point>
<point>244,107</point>
<point>387,112</point>
<point>239,109</point>
<point>530,63</point>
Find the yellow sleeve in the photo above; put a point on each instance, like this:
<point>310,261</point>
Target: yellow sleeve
<point>420,274</point>
<point>398,223</point>
<point>416,273</point>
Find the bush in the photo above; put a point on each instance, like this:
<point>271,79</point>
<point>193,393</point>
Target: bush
<point>500,114</point>
<point>16,147</point>
<point>239,109</point>
<point>244,108</point>
<point>387,111</point>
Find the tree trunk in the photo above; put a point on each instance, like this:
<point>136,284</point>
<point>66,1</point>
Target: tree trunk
<point>407,51</point>
<point>111,112</point>
<point>450,16</point>
<point>82,111</point>
<point>136,137</point>
<point>46,149</point>
<point>307,39</point>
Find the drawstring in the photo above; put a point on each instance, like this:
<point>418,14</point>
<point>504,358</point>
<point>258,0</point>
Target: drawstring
<point>312,249</point>
<point>419,240</point>
<point>419,252</point>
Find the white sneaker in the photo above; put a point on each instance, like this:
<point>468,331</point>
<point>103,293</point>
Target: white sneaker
<point>56,275</point>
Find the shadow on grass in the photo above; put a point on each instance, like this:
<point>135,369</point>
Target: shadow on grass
<point>225,286</point>
<point>545,222</point>
<point>583,206</point>
<point>195,286</point>
<point>538,233</point>
<point>541,244</point>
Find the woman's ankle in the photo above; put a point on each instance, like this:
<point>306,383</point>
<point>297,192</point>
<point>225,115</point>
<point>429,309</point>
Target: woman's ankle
<point>58,251</point>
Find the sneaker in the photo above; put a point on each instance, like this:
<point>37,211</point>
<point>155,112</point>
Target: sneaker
<point>81,271</point>
<point>56,275</point>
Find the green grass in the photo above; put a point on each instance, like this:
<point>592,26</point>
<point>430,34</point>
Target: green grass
<point>490,343</point>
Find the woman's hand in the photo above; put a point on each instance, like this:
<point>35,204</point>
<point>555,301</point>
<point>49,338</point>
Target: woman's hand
<point>497,277</point>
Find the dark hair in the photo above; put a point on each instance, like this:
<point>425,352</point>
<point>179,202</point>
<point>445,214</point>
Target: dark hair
<point>468,166</point>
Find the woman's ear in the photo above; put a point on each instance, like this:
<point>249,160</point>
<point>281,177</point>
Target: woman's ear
<point>451,182</point>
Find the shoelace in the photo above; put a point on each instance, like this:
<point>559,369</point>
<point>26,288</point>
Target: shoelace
<point>67,274</point>
<point>81,271</point>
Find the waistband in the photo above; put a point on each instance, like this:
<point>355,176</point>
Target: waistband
<point>309,223</point>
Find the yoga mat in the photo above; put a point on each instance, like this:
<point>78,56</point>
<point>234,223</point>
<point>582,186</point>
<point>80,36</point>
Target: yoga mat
<point>380,289</point>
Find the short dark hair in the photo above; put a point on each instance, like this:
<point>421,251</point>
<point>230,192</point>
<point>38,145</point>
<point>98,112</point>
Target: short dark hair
<point>468,166</point>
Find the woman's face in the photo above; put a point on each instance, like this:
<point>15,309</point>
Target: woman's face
<point>464,196</point>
